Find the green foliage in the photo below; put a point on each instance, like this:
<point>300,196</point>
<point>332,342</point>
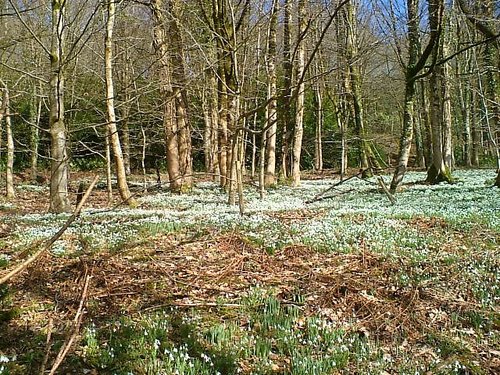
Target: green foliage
<point>88,163</point>
<point>274,338</point>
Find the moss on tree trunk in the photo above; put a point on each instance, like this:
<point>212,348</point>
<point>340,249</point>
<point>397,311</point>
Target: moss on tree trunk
<point>435,176</point>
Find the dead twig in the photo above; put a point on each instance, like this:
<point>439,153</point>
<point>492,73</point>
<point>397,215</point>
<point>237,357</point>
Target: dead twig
<point>50,326</point>
<point>191,304</point>
<point>77,320</point>
<point>320,196</point>
<point>21,267</point>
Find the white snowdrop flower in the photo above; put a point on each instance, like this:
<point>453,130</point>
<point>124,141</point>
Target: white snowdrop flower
<point>157,344</point>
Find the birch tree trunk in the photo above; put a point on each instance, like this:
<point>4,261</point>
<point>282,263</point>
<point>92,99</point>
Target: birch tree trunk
<point>299,110</point>
<point>114,139</point>
<point>447,100</point>
<point>59,201</point>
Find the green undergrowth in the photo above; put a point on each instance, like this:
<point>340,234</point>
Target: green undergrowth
<point>260,335</point>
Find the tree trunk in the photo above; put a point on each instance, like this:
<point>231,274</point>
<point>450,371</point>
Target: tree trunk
<point>476,130</point>
<point>286,118</point>
<point>440,106</point>
<point>35,115</point>
<point>438,171</point>
<point>465,97</point>
<point>299,110</point>
<point>416,62</point>
<point>426,124</point>
<point>318,138</point>
<point>447,102</point>
<point>367,159</point>
<point>211,115</point>
<point>181,102</point>
<point>125,113</point>
<point>59,201</point>
<point>406,135</point>
<point>271,125</point>
<point>109,168</point>
<point>167,93</point>
<point>114,138</point>
<point>419,141</point>
<point>9,172</point>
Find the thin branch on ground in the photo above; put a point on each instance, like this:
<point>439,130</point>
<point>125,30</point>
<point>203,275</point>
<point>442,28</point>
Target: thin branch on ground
<point>21,267</point>
<point>77,320</point>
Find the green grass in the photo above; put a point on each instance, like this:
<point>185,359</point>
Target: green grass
<point>263,334</point>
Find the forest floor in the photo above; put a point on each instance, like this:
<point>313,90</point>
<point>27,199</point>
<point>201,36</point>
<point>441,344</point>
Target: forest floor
<point>184,284</point>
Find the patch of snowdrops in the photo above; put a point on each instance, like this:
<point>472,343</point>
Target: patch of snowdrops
<point>358,214</point>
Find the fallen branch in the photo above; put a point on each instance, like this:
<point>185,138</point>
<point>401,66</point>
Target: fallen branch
<point>21,267</point>
<point>319,196</point>
<point>386,190</point>
<point>77,320</point>
<point>331,196</point>
<point>47,346</point>
<point>212,304</point>
<point>191,304</point>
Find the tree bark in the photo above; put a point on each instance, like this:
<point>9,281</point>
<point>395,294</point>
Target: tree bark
<point>272,117</point>
<point>35,115</point>
<point>59,201</point>
<point>9,172</point>
<point>121,174</point>
<point>367,159</point>
<point>299,110</point>
<point>179,91</point>
<point>286,117</point>
<point>440,106</point>
<point>167,94</point>
<point>318,137</point>
<point>416,63</point>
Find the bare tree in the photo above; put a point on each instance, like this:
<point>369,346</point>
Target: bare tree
<point>9,171</point>
<point>272,117</point>
<point>440,103</point>
<point>286,112</point>
<point>300,95</point>
<point>486,11</point>
<point>59,201</point>
<point>177,132</point>
<point>121,175</point>
<point>415,64</point>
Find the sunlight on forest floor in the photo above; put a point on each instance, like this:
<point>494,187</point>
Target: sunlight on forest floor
<point>185,284</point>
